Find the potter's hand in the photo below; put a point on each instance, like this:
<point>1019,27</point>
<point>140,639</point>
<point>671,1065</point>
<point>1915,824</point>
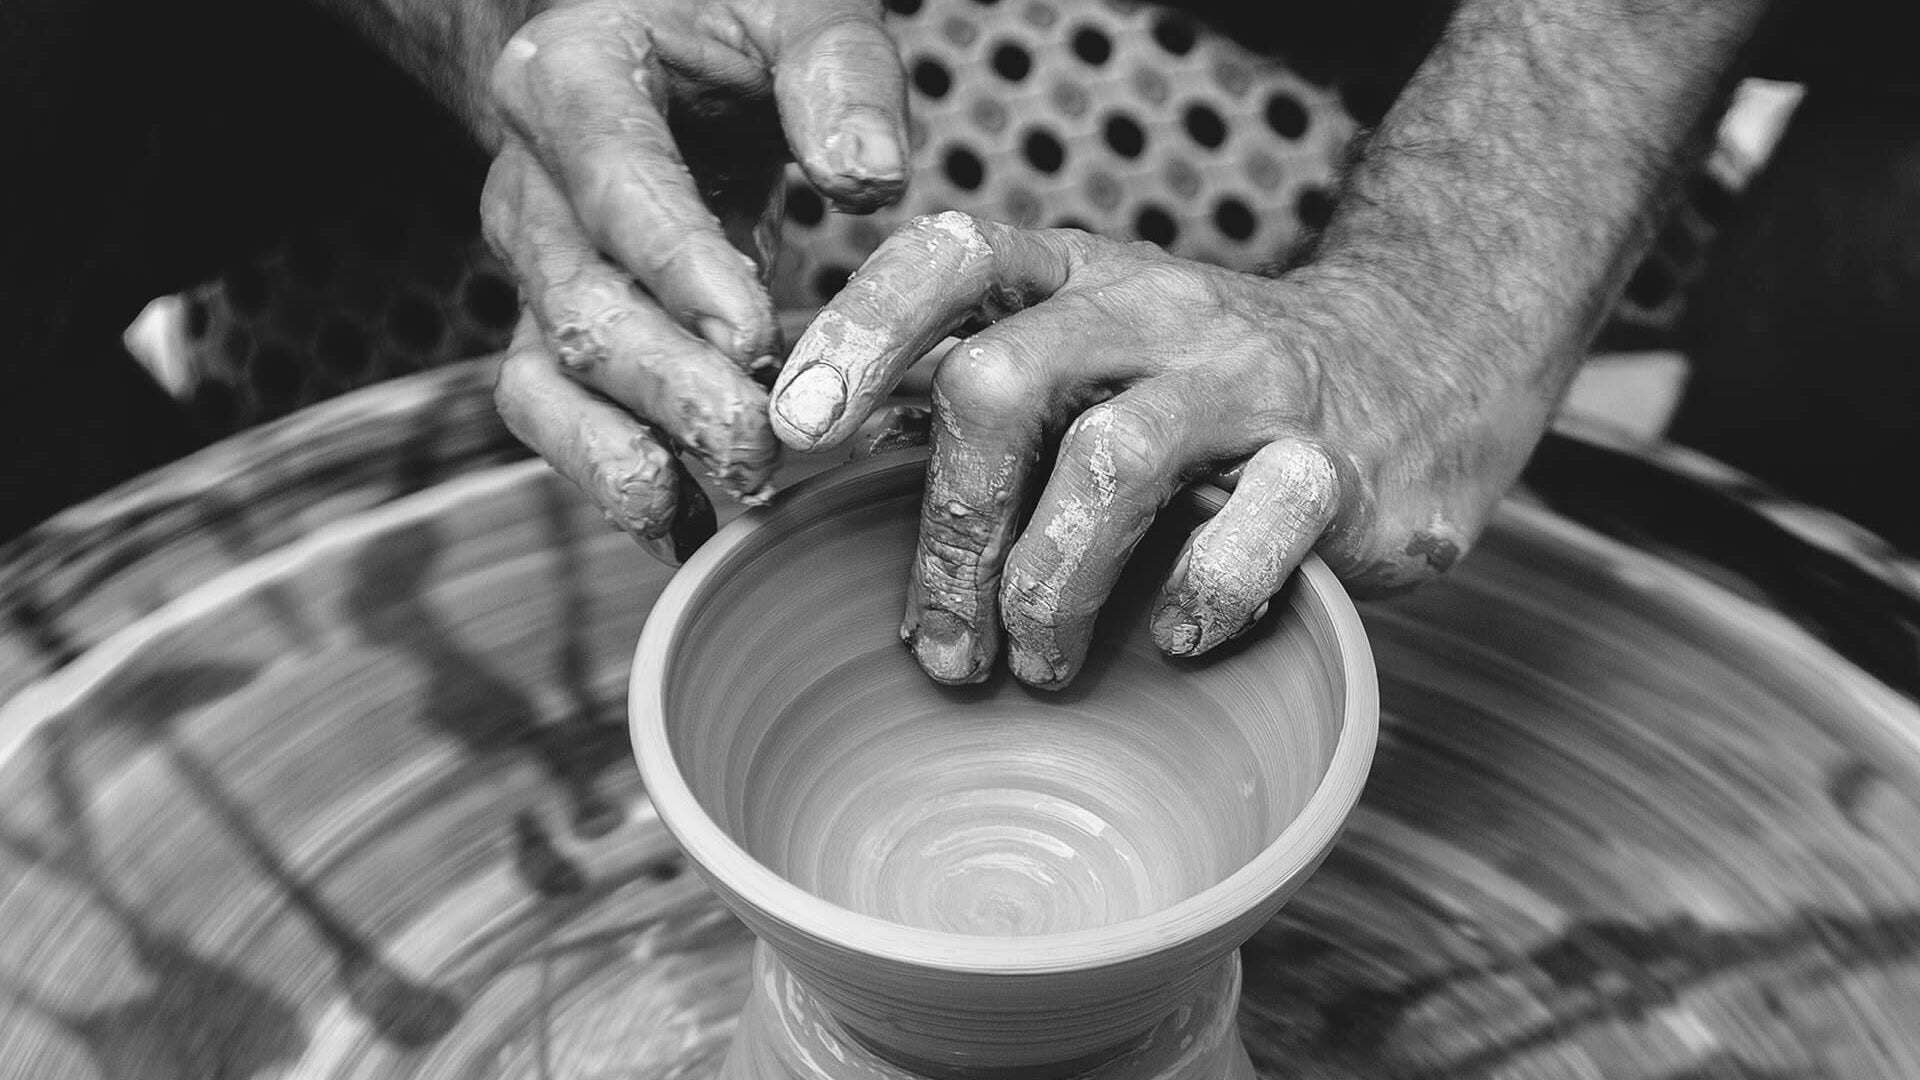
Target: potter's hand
<point>1157,370</point>
<point>1387,391</point>
<point>628,232</point>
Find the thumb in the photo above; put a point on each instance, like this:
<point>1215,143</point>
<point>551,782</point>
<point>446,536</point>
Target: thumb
<point>843,100</point>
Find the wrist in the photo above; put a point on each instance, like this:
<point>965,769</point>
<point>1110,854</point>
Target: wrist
<point>1416,392</point>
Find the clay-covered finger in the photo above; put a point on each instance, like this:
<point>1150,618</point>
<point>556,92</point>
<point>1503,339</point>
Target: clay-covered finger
<point>997,397</point>
<point>1118,465</point>
<point>1283,501</point>
<point>938,274</point>
<point>843,100</point>
<point>623,466</point>
<point>612,337</point>
<point>990,414</point>
<point>583,86</point>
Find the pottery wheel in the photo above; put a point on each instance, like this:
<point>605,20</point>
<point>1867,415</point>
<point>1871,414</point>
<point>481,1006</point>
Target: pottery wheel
<point>358,803</point>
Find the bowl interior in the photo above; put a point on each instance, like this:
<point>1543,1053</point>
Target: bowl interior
<point>807,733</point>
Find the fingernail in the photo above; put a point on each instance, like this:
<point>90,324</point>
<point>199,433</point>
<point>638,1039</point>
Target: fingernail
<point>812,402</point>
<point>1175,630</point>
<point>1033,669</point>
<point>866,147</point>
<point>945,646</point>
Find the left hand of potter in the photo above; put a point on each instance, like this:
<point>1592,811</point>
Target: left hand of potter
<point>1362,431</point>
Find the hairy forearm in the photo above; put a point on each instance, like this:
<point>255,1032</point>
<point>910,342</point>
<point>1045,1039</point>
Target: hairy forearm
<point>1524,170</point>
<point>448,45</point>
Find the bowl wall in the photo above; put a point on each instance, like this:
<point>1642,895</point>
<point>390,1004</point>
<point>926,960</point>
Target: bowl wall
<point>915,831</point>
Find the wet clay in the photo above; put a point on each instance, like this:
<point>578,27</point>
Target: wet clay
<point>835,761</point>
<point>1001,876</point>
<point>298,780</point>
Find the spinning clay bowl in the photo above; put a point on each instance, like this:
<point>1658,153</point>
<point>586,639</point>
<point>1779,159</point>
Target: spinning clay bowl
<point>988,877</point>
<point>314,766</point>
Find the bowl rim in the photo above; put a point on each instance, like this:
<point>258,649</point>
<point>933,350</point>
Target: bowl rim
<point>1291,855</point>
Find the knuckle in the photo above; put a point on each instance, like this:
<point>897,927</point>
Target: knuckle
<point>1303,473</point>
<point>1164,280</point>
<point>986,382</point>
<point>1117,440</point>
<point>953,543</point>
<point>954,237</point>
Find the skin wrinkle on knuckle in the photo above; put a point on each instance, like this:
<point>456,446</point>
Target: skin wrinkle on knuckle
<point>952,554</point>
<point>959,535</point>
<point>969,487</point>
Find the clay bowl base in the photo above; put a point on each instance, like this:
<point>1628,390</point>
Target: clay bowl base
<point>786,1034</point>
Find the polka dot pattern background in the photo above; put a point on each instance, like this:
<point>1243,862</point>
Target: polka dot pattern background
<point>333,311</point>
<point>1124,119</point>
<point>1127,119</point>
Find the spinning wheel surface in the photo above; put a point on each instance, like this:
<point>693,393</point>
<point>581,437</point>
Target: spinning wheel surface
<point>362,806</point>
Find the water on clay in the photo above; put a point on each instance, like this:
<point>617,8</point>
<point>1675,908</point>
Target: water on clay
<point>992,810</point>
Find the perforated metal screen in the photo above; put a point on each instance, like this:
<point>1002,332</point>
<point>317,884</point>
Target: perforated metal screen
<point>1124,118</point>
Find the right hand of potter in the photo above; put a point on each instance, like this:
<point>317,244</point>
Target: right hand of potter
<point>1367,431</point>
<point>637,196</point>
